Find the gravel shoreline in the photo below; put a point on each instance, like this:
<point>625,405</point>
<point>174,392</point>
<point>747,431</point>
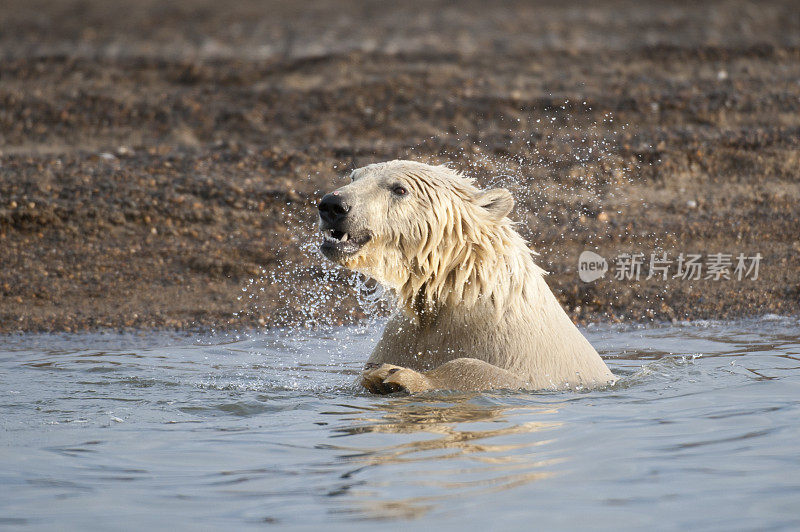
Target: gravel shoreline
<point>161,165</point>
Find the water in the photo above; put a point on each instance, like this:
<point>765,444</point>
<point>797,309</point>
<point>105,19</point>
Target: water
<point>165,431</point>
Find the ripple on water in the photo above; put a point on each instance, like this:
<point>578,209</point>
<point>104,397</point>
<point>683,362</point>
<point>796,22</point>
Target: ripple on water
<point>700,432</point>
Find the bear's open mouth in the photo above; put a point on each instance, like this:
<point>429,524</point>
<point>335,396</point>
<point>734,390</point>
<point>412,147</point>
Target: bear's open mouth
<point>337,244</point>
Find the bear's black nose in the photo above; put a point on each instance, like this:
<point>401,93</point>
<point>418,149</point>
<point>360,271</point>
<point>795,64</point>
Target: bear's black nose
<point>333,208</point>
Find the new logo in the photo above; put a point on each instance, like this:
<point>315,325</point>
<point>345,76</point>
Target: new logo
<point>591,266</point>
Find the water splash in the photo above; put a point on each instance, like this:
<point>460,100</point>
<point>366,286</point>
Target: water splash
<point>308,291</point>
<point>569,169</point>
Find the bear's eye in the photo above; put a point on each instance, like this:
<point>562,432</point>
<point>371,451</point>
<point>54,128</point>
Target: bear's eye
<point>400,190</point>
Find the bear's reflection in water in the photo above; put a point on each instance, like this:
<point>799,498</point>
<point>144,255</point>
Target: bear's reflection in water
<point>457,446</point>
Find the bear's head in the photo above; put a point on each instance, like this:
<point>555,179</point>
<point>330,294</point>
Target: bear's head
<point>424,231</point>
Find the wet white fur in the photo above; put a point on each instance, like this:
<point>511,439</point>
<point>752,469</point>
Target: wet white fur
<point>466,283</point>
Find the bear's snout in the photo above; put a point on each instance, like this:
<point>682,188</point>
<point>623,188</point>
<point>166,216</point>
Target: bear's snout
<point>333,208</point>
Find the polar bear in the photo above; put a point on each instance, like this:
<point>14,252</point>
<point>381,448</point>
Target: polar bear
<point>474,311</point>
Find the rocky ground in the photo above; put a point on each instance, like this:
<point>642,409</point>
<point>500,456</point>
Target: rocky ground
<point>160,162</point>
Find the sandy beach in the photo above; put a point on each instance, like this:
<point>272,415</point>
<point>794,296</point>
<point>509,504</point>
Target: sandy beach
<point>160,164</point>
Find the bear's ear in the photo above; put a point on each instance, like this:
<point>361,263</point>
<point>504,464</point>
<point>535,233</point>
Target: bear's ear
<point>498,201</point>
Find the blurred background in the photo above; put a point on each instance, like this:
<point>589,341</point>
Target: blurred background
<point>160,162</point>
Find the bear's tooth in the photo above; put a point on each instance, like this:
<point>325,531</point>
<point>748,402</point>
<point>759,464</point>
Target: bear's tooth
<point>345,237</point>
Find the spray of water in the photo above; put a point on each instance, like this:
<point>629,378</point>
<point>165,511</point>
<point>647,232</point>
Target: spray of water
<point>564,168</point>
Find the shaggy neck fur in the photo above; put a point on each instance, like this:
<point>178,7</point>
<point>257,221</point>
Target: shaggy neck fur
<point>459,262</point>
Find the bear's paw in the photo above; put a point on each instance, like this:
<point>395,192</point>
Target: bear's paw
<point>388,378</point>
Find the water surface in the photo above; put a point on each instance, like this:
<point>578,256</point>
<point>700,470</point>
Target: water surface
<point>167,431</point>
